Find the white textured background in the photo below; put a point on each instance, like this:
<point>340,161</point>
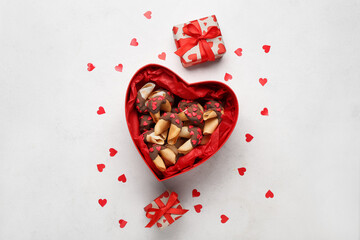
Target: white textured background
<point>306,151</point>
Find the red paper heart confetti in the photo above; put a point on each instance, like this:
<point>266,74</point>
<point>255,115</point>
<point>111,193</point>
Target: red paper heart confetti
<point>269,194</point>
<point>238,52</point>
<point>195,193</point>
<point>224,218</point>
<point>90,67</point>
<point>248,137</point>
<point>100,167</point>
<point>159,225</point>
<point>175,29</point>
<point>102,202</point>
<point>162,56</point>
<point>134,42</point>
<point>101,110</point>
<point>266,48</point>
<point>113,152</point>
<point>262,81</point>
<point>122,223</point>
<point>198,208</point>
<point>265,112</point>
<point>148,14</point>
<point>242,171</point>
<point>119,68</point>
<point>122,178</point>
<point>227,77</point>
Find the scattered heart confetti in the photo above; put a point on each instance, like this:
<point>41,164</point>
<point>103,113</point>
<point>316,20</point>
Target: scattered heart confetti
<point>122,178</point>
<point>159,225</point>
<point>113,152</point>
<point>238,52</point>
<point>101,110</point>
<point>148,14</point>
<point>102,202</point>
<point>195,193</point>
<point>162,56</point>
<point>242,171</point>
<point>100,167</point>
<point>90,67</point>
<point>119,68</point>
<point>221,49</point>
<point>265,112</point>
<point>198,208</point>
<point>249,137</point>
<point>224,218</point>
<point>227,77</point>
<point>269,194</point>
<point>134,42</point>
<point>262,81</point>
<point>122,223</point>
<point>266,48</point>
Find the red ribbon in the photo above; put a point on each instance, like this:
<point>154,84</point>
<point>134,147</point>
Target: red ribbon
<point>164,210</point>
<point>197,37</point>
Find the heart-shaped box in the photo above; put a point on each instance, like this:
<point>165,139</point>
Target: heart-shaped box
<point>200,91</point>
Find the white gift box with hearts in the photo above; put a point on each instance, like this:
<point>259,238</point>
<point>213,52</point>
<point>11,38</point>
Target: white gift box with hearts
<point>193,56</point>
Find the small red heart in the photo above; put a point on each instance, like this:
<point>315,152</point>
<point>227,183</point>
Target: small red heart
<point>90,67</point>
<point>192,57</point>
<point>238,52</point>
<point>266,48</point>
<point>248,137</point>
<point>122,223</point>
<point>113,152</point>
<point>269,194</point>
<point>158,148</point>
<point>242,171</point>
<point>198,208</point>
<point>265,112</point>
<point>102,202</point>
<point>119,68</point>
<point>175,29</point>
<point>195,193</point>
<point>100,167</point>
<point>101,110</point>
<point>158,225</point>
<point>262,81</point>
<point>122,178</point>
<point>221,49</point>
<point>227,77</point>
<point>134,42</point>
<point>205,23</point>
<point>148,14</point>
<point>162,56</point>
<point>224,218</point>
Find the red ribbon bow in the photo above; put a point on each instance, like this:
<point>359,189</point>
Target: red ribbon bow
<point>164,210</point>
<point>197,37</point>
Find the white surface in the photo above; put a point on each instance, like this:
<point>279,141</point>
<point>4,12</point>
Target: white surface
<point>306,151</point>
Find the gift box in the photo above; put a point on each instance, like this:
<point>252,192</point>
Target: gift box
<point>164,210</point>
<point>200,91</point>
<point>199,41</point>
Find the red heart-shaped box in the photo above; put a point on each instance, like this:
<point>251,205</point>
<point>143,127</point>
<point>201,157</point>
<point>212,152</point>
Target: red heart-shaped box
<point>200,91</point>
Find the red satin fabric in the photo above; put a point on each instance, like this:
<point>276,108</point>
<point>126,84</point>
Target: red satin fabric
<point>201,91</point>
<point>193,30</point>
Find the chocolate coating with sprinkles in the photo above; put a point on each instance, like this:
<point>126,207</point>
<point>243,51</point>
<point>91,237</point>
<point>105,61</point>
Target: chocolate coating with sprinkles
<point>146,123</point>
<point>173,118</point>
<point>140,104</point>
<point>154,104</point>
<point>196,135</point>
<point>192,111</point>
<point>154,150</point>
<point>216,107</point>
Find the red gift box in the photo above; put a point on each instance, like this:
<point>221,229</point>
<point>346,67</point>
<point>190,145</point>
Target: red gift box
<point>164,210</point>
<point>205,90</point>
